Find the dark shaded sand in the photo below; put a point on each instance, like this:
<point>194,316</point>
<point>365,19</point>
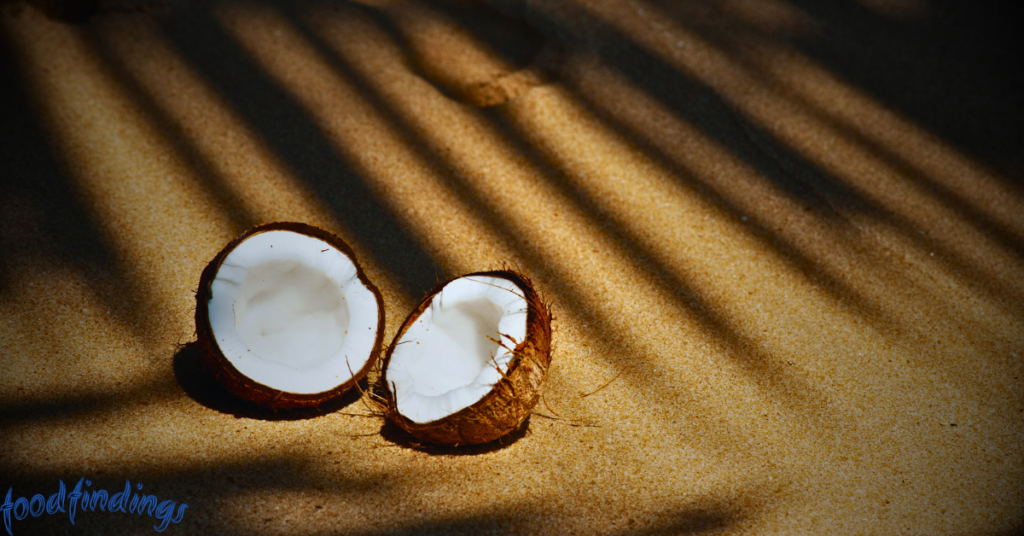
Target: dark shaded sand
<point>790,233</point>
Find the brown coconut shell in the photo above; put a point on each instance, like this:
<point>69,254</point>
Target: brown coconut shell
<point>243,386</point>
<point>510,401</point>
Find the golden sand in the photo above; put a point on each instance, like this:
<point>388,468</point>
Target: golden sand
<point>793,276</point>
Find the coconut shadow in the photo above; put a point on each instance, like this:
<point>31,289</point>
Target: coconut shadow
<point>200,385</point>
<point>394,434</point>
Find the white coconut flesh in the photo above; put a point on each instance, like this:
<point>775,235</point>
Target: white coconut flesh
<point>449,358</point>
<point>289,311</point>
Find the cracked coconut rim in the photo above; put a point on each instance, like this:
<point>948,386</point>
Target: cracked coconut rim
<point>290,319</point>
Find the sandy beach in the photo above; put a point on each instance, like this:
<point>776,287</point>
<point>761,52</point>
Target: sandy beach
<point>783,241</point>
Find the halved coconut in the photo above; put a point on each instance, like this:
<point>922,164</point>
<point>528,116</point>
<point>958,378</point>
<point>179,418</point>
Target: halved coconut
<point>285,316</point>
<point>467,366</point>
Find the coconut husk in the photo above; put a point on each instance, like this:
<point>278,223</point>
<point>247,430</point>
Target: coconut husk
<point>229,376</point>
<point>509,402</point>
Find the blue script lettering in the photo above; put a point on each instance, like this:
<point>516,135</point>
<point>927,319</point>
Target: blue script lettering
<point>7,510</point>
<point>56,502</point>
<point>119,500</point>
<point>99,496</point>
<point>122,501</point>
<point>164,512</point>
<point>146,504</point>
<point>180,515</point>
<point>74,496</point>
<point>32,505</point>
<point>23,502</point>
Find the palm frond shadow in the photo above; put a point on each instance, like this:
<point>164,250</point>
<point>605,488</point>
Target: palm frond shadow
<point>46,217</point>
<point>304,148</point>
<point>438,160</point>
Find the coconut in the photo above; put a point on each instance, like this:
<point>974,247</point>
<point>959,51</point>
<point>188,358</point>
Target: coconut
<point>286,318</point>
<point>468,364</point>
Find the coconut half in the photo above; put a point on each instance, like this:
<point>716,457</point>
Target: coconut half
<point>286,318</point>
<point>468,364</point>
